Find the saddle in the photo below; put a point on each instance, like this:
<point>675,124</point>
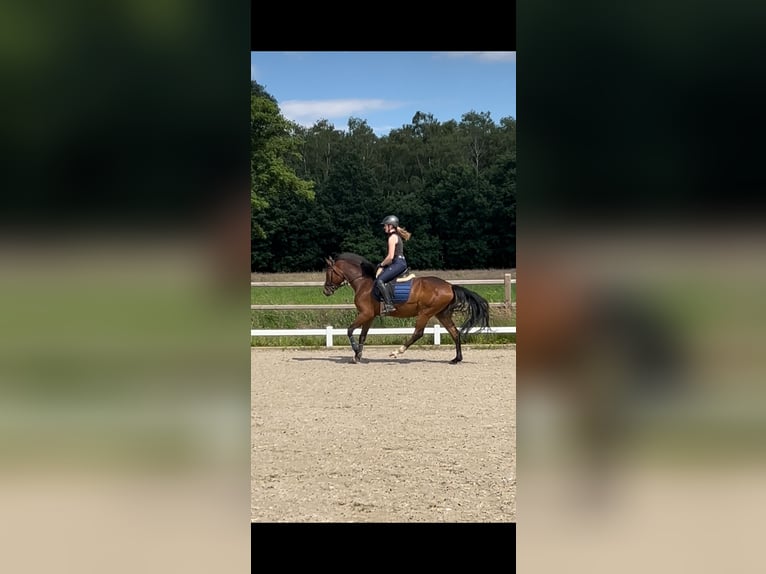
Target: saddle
<point>406,276</point>
<point>398,288</point>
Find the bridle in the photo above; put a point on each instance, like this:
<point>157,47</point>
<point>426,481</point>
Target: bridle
<point>332,287</point>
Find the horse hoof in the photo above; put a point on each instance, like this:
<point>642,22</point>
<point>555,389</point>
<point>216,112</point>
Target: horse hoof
<point>393,356</point>
<point>455,361</point>
<point>354,359</point>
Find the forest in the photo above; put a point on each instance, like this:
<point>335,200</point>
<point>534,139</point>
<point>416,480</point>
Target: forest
<point>319,191</point>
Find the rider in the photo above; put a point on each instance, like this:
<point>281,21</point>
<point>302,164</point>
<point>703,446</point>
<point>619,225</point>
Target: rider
<point>394,264</point>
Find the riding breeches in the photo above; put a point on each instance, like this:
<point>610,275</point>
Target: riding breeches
<point>396,268</point>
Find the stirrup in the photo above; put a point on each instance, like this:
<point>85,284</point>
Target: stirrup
<point>387,309</point>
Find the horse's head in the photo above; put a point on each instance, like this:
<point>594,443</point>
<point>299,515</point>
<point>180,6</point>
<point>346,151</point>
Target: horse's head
<point>334,278</point>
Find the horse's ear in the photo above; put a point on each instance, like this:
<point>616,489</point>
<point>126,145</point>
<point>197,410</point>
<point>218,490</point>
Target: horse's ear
<point>328,260</point>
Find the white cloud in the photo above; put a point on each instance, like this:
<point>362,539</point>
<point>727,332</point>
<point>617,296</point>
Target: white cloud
<point>484,56</point>
<point>383,130</point>
<point>308,112</point>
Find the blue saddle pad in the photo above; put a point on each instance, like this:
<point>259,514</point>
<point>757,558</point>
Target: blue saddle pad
<point>401,291</point>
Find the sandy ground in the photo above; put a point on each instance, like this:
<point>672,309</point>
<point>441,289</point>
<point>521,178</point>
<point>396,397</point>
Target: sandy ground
<point>412,439</point>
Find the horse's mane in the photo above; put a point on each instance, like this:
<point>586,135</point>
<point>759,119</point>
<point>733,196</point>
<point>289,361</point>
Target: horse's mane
<point>368,269</point>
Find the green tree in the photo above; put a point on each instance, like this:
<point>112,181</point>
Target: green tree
<point>461,217</point>
<point>477,130</point>
<point>501,174</point>
<point>349,198</point>
<point>274,148</point>
<point>321,148</point>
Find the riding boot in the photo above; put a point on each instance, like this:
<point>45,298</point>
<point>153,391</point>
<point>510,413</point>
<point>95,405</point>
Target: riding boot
<point>388,306</point>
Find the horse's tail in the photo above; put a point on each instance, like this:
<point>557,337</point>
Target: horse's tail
<point>472,303</point>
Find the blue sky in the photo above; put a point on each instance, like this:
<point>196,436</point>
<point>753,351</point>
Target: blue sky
<point>387,88</point>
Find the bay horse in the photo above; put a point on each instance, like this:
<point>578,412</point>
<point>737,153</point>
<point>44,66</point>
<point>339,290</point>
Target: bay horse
<point>427,297</point>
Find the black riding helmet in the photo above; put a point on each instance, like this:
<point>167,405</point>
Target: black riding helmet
<point>391,220</point>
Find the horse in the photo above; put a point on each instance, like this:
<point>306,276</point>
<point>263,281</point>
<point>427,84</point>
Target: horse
<point>420,297</point>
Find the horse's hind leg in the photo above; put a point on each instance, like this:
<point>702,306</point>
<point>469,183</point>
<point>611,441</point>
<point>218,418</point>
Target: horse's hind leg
<point>420,327</point>
<point>445,318</point>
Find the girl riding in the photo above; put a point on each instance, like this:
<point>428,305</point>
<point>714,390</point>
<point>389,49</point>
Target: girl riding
<point>395,263</point>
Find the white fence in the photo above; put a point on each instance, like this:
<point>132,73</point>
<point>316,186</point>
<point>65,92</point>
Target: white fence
<point>329,332</point>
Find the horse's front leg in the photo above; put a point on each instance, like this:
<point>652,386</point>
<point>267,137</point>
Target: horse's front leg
<point>362,339</point>
<point>360,321</point>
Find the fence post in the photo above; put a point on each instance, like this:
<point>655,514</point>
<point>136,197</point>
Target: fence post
<point>507,283</point>
<point>437,334</point>
<point>328,336</point>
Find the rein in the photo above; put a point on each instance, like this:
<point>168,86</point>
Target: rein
<point>334,287</point>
